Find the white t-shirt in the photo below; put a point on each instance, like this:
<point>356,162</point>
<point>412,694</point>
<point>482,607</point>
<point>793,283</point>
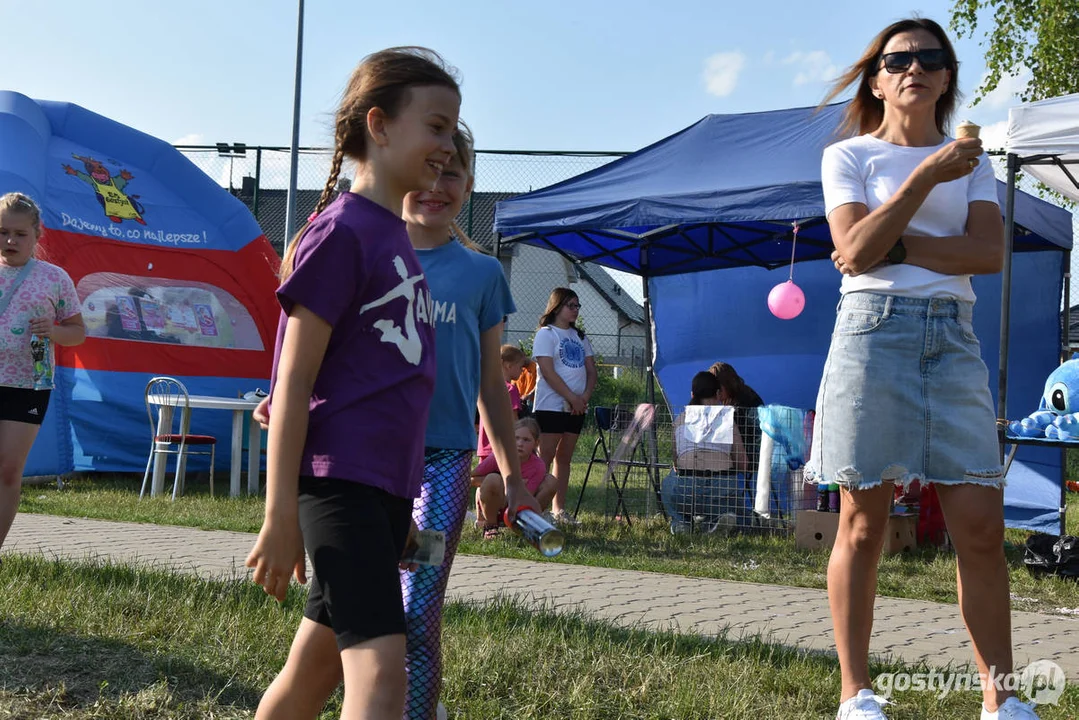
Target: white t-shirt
<point>568,351</point>
<point>870,171</point>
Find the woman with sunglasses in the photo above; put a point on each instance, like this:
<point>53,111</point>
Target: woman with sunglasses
<point>567,377</point>
<point>904,395</point>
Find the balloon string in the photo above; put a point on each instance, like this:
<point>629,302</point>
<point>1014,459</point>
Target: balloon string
<point>794,244</point>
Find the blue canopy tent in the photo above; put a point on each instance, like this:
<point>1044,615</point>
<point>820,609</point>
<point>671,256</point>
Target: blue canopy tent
<point>707,216</point>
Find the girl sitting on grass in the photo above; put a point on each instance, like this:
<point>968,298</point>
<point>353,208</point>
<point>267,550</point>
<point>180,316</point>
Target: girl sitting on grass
<point>491,494</point>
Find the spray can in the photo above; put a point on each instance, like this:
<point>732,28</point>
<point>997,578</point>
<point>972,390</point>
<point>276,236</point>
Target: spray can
<point>539,533</point>
<point>833,498</point>
<point>824,490</point>
<point>41,355</point>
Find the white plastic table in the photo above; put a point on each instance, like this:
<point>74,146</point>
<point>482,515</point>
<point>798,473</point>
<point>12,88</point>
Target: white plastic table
<point>254,438</point>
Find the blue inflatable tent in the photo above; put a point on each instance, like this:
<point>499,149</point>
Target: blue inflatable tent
<point>706,216</point>
<point>174,275</point>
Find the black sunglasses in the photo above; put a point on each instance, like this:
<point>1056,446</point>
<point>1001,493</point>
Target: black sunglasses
<point>930,60</point>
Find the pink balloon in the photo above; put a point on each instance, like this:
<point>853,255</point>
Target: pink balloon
<point>786,300</point>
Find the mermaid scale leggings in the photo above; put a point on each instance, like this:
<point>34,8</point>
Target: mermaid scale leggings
<point>441,506</point>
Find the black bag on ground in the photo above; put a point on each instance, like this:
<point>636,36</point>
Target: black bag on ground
<point>1052,555</point>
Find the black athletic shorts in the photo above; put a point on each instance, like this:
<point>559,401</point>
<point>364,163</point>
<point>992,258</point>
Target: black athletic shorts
<point>354,535</point>
<point>23,404</point>
<point>558,422</point>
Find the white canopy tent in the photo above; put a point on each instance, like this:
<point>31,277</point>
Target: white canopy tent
<point>1043,141</point>
<point>1044,136</point>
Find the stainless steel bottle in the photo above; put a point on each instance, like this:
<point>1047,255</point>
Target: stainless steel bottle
<point>539,533</point>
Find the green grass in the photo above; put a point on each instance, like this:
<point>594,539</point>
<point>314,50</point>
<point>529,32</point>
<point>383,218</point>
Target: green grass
<point>82,641</point>
<point>926,574</point>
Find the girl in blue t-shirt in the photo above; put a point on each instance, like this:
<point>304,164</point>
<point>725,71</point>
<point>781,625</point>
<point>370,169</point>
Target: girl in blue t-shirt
<point>471,297</point>
<point>353,375</point>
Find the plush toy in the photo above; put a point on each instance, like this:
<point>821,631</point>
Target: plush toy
<point>1057,417</point>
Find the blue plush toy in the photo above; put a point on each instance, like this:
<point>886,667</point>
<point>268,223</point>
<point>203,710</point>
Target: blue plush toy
<point>1057,417</point>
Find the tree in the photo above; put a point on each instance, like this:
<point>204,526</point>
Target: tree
<point>1039,35</point>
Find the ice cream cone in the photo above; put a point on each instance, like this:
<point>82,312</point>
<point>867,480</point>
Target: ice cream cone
<point>967,129</point>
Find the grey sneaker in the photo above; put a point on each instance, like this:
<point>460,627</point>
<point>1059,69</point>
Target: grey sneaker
<point>564,518</point>
<point>863,706</point>
<point>1011,709</point>
<point>440,713</point>
<point>725,524</point>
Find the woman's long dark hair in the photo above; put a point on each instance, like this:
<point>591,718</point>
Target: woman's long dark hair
<point>705,385</point>
<point>728,379</point>
<point>559,297</point>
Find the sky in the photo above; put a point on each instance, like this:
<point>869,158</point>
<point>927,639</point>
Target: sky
<point>585,75</point>
<point>557,75</point>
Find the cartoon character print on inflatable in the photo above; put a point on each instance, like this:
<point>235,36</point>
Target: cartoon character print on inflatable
<point>1057,417</point>
<point>109,188</point>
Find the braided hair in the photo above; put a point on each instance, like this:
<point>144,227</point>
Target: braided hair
<point>383,80</point>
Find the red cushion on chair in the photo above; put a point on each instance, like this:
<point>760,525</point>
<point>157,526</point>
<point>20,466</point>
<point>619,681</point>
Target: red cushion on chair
<point>189,439</point>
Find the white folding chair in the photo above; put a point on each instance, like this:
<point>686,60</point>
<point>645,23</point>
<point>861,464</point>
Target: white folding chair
<point>170,429</point>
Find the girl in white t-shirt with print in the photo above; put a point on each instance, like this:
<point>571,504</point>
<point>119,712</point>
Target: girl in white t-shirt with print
<point>36,299</point>
<point>567,377</point>
<point>904,394</point>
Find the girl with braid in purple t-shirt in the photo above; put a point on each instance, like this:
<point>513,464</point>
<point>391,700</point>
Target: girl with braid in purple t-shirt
<point>471,298</point>
<point>354,371</point>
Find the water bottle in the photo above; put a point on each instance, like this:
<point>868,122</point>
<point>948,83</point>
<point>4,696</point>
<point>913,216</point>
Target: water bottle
<point>41,355</point>
<point>539,533</point>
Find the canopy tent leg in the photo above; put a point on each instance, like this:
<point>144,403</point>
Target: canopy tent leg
<point>1006,301</point>
<point>1065,354</point>
<point>653,464</point>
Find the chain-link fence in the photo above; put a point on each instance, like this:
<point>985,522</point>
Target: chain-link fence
<point>610,311</point>
<point>704,468</point>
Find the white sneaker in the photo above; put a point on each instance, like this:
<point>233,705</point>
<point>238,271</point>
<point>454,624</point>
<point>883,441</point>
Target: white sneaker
<point>1011,709</point>
<point>440,713</point>
<point>863,706</point>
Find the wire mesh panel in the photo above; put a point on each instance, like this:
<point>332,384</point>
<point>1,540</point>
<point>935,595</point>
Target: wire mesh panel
<point>610,310</point>
<point>750,479</point>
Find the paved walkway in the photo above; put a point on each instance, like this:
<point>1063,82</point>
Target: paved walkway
<point>911,630</point>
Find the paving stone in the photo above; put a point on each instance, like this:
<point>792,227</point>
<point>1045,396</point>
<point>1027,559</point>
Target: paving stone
<point>909,630</point>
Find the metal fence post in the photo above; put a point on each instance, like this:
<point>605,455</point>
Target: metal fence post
<point>258,182</point>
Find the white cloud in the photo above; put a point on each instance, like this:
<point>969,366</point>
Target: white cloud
<point>191,139</point>
<point>994,136</point>
<point>1006,93</point>
<point>721,72</point>
<point>815,66</point>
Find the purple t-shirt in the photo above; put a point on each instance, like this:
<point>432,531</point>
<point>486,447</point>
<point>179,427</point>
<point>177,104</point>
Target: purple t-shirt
<point>355,269</point>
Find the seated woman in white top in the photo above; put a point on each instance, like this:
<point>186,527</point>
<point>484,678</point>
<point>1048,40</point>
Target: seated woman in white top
<point>704,485</point>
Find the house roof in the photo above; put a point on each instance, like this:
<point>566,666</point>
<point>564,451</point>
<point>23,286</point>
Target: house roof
<point>609,288</point>
<point>479,222</point>
<point>477,218</point>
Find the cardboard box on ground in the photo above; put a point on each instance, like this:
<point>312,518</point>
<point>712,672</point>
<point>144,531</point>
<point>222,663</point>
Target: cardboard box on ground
<point>815,530</point>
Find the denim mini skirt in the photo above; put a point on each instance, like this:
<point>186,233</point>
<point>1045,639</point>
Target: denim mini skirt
<point>904,396</point>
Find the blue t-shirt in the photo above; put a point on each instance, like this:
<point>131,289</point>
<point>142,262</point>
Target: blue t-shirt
<point>471,296</point>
